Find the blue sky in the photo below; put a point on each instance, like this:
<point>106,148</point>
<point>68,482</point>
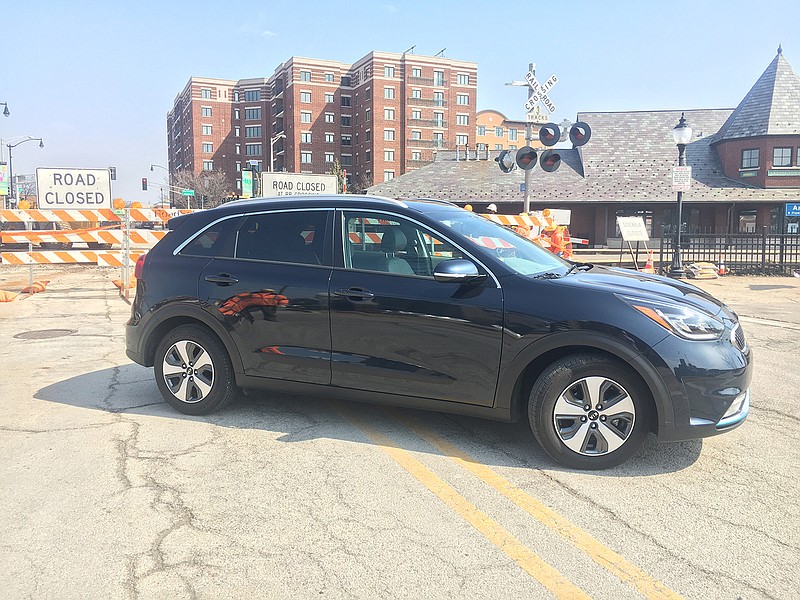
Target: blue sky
<point>96,79</point>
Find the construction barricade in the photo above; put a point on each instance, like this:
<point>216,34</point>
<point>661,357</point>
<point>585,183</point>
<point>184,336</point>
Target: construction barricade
<point>542,228</point>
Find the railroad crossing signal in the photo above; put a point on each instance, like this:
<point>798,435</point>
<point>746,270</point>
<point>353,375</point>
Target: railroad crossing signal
<point>540,92</point>
<point>526,158</point>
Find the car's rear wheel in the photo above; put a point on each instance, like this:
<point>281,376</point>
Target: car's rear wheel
<point>193,371</point>
<point>589,412</point>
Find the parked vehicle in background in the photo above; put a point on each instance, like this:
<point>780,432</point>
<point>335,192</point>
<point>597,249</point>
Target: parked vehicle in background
<point>423,304</point>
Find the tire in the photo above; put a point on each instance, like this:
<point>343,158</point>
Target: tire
<point>589,438</point>
<point>209,386</point>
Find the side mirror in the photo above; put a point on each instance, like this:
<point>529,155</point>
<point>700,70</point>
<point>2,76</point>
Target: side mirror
<point>457,270</point>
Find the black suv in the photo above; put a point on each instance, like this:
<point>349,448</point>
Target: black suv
<point>423,304</point>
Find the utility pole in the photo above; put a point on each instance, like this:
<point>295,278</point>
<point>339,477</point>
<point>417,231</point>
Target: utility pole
<point>528,138</point>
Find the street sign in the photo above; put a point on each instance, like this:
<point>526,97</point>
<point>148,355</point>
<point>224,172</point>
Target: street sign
<point>681,179</point>
<point>540,92</point>
<point>292,184</point>
<point>793,209</point>
<point>3,179</point>
<point>187,192</point>
<point>73,189</point>
<point>247,183</point>
<point>633,229</point>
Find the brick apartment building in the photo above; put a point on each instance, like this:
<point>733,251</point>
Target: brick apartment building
<point>380,117</point>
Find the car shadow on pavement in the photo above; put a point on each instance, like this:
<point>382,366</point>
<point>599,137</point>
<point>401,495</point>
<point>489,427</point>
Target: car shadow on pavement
<point>131,390</point>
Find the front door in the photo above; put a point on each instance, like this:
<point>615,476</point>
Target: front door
<point>395,329</point>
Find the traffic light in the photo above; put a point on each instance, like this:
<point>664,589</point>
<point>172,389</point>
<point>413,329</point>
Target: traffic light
<point>526,158</point>
<point>113,173</point>
<point>506,161</point>
<point>550,161</point>
<point>144,184</point>
<point>549,134</point>
<point>580,133</point>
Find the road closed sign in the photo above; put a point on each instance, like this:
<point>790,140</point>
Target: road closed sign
<point>73,188</point>
<point>292,184</point>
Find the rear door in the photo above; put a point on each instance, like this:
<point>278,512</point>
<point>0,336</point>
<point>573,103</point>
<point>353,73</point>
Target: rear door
<point>272,294</point>
<point>396,329</point>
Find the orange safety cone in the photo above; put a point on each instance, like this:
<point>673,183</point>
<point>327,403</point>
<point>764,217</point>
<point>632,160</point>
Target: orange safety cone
<point>648,266</point>
<point>723,270</point>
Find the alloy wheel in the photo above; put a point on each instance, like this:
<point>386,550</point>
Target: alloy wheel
<point>188,371</point>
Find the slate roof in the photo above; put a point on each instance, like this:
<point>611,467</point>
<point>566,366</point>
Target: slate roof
<point>629,158</point>
<point>771,107</point>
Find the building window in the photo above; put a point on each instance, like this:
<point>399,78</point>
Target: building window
<point>305,97</point>
<point>238,149</point>
<point>368,93</point>
<point>205,111</point>
<point>252,149</point>
<point>208,148</point>
<point>235,96</point>
<point>481,129</point>
<point>416,93</point>
<point>462,99</point>
<point>329,77</point>
<point>438,78</point>
<point>750,159</point>
<point>461,140</point>
<point>347,140</point>
<point>252,95</point>
<point>346,120</point>
<point>416,135</point>
<point>416,155</point>
<point>252,132</point>
<point>388,71</point>
<point>329,157</point>
<point>498,132</point>
<point>237,131</point>
<point>368,115</point>
<point>388,93</point>
<point>205,93</point>
<point>305,75</point>
<point>781,157</point>
<point>305,158</point>
<point>388,114</point>
<point>416,114</point>
<point>347,160</point>
<point>512,146</point>
<point>498,146</point>
<point>416,72</point>
<point>438,119</point>
<point>463,79</point>
<point>367,156</point>
<point>252,114</point>
<point>238,166</point>
<point>305,137</point>
<point>512,135</point>
<point>347,101</point>
<point>236,114</point>
<point>368,135</point>
<point>329,98</point>
<point>305,117</point>
<point>388,135</point>
<point>438,98</point>
<point>438,139</point>
<point>388,155</point>
<point>388,175</point>
<point>329,117</point>
<point>462,119</point>
<point>347,81</point>
<point>208,165</point>
<point>206,129</point>
<point>329,138</point>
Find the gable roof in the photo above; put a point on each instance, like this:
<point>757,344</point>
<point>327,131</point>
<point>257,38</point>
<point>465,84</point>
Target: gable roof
<point>771,107</point>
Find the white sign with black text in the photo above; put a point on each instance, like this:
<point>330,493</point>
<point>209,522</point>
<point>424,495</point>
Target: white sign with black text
<point>681,179</point>
<point>633,229</point>
<point>73,189</point>
<point>292,184</point>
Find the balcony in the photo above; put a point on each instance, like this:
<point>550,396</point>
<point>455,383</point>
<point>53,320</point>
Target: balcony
<point>427,123</point>
<point>277,109</point>
<point>420,81</point>
<point>426,102</point>
<point>427,143</point>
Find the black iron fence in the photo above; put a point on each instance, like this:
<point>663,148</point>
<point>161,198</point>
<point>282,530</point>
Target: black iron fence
<point>742,253</point>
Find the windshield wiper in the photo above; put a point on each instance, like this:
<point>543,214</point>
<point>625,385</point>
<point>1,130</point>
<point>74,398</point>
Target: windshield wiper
<point>578,267</point>
<point>548,275</point>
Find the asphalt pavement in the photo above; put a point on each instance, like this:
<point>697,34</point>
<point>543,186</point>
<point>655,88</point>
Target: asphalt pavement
<point>108,493</point>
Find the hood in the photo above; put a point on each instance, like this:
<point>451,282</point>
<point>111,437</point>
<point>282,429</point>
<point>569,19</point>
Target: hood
<point>642,285</point>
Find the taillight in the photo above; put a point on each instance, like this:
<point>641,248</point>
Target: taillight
<point>137,272</point>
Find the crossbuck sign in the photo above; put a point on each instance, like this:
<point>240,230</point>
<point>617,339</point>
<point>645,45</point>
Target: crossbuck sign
<point>540,92</point>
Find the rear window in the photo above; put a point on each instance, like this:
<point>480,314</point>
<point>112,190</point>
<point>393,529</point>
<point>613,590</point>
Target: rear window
<point>216,241</point>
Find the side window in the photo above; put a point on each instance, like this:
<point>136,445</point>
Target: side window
<point>290,237</point>
<point>216,241</point>
<point>389,244</point>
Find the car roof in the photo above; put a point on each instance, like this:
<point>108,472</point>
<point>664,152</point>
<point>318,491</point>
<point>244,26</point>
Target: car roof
<point>326,201</point>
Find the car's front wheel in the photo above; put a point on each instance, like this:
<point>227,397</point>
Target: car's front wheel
<point>589,412</point>
<point>193,371</point>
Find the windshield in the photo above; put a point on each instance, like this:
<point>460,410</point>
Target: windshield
<point>516,252</point>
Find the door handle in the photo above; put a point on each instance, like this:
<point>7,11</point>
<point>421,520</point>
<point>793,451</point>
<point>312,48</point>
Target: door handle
<point>221,279</point>
<point>354,293</point>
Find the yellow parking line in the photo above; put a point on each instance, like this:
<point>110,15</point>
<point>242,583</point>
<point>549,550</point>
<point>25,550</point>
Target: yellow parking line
<point>550,578</point>
<point>602,555</point>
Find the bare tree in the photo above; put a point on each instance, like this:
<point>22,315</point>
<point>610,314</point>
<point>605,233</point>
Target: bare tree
<point>361,183</point>
<point>211,188</point>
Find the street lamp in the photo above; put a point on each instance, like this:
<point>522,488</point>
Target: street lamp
<point>6,112</point>
<point>152,168</point>
<point>682,134</point>
<point>12,195</point>
<point>272,142</point>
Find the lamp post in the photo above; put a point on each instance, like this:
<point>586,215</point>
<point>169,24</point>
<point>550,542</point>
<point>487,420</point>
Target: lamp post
<point>169,181</point>
<point>682,134</point>
<point>273,140</point>
<point>12,195</point>
<point>6,112</point>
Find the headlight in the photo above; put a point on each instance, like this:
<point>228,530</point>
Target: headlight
<point>680,319</point>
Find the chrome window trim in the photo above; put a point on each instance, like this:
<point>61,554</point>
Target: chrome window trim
<point>424,226</point>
